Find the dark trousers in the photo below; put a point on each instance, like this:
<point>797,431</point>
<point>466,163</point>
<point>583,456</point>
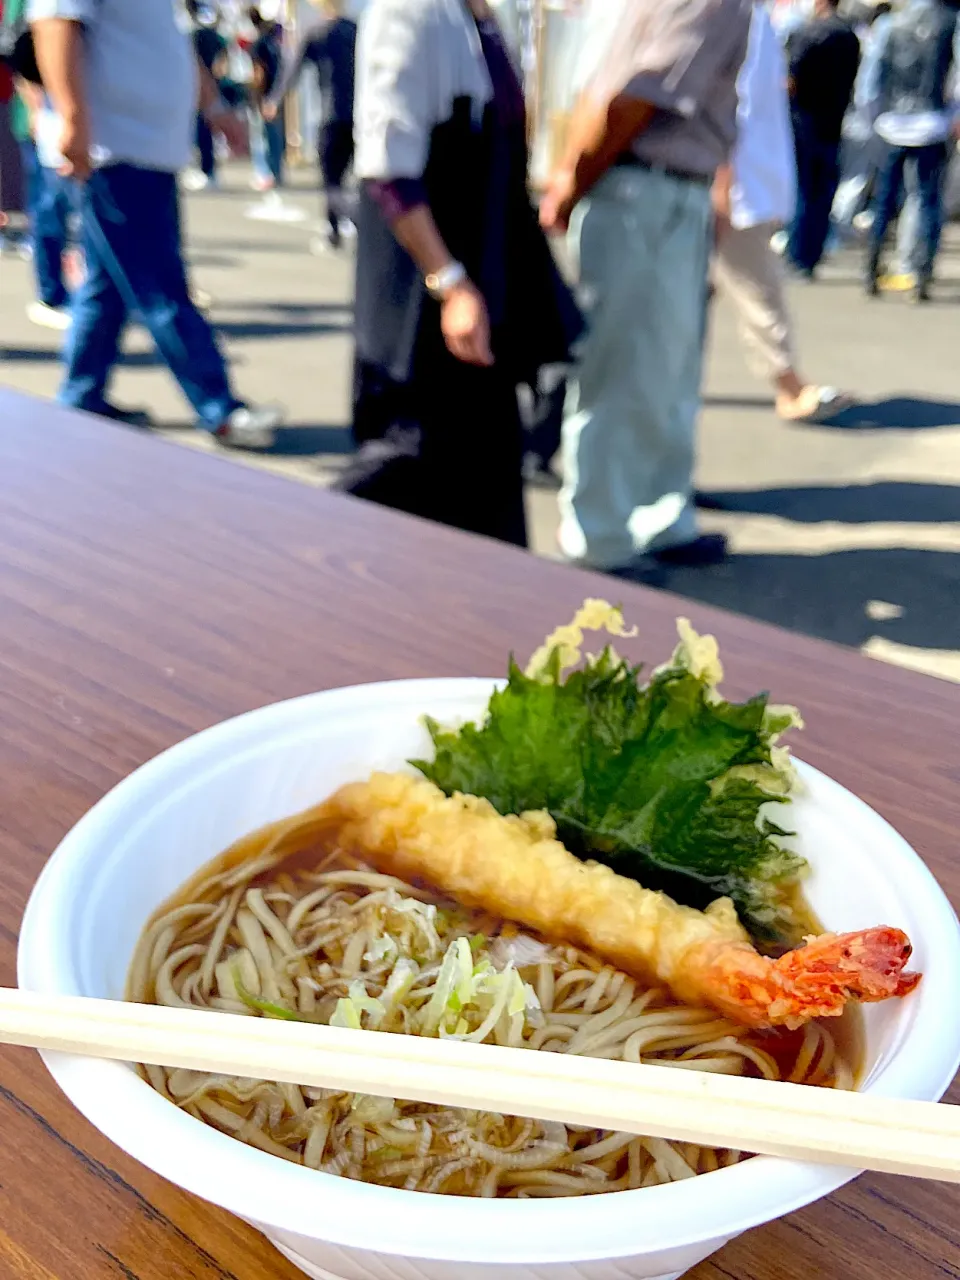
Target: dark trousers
<point>205,148</point>
<point>335,149</point>
<point>447,446</point>
<point>931,166</point>
<point>818,176</point>
<point>132,244</point>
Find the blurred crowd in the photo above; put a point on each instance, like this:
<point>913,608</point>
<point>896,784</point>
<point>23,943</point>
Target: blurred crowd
<point>714,145</point>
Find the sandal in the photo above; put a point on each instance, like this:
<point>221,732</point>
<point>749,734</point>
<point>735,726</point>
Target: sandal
<point>829,403</point>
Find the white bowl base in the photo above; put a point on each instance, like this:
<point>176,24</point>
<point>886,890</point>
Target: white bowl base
<point>318,1273</point>
<point>159,826</point>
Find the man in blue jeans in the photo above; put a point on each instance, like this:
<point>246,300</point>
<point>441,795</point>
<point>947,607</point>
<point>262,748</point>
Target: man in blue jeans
<point>123,79</point>
<point>52,200</point>
<point>904,88</point>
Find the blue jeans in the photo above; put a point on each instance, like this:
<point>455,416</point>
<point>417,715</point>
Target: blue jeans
<point>267,145</point>
<point>131,239</point>
<point>818,176</point>
<point>32,177</point>
<point>56,201</point>
<point>642,240</point>
<point>930,166</point>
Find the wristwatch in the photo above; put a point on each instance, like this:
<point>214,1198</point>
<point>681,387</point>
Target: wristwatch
<point>441,283</point>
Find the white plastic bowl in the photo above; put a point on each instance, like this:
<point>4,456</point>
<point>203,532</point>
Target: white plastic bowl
<point>170,817</point>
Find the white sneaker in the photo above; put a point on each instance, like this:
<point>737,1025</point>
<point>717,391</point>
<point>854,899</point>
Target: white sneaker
<point>49,317</point>
<point>195,180</point>
<point>249,428</point>
<point>348,230</point>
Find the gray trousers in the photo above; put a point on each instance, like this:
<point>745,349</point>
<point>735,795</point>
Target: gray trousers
<point>641,243</point>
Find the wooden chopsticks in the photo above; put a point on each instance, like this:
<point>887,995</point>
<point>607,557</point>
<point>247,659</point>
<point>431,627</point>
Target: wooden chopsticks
<point>859,1131</point>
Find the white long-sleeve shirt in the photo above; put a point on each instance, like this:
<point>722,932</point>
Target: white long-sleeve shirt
<point>764,187</point>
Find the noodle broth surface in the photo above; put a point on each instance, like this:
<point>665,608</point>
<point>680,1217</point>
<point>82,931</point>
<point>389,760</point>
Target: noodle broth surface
<point>279,927</point>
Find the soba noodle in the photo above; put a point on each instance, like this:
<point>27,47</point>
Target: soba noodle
<point>252,936</point>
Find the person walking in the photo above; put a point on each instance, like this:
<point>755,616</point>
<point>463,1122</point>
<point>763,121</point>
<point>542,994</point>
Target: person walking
<point>905,88</point>
<point>330,47</point>
<point>458,298</point>
<point>267,136</point>
<point>17,91</point>
<point>53,207</point>
<point>823,55</point>
<point>210,48</point>
<point>124,82</point>
<point>753,196</point>
<point>657,118</point>
<point>13,179</point>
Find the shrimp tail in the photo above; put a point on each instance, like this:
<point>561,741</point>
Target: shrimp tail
<point>816,981</point>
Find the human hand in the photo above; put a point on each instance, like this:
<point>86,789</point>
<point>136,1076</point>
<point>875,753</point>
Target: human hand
<point>230,127</point>
<point>465,325</point>
<point>558,203</point>
<point>269,111</point>
<point>74,147</point>
<point>721,197</point>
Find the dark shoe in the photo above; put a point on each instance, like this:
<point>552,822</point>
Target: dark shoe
<point>708,501</point>
<point>801,273</point>
<point>644,571</point>
<point>538,472</point>
<point>871,283</point>
<point>128,417</point>
<point>921,293</point>
<point>708,549</point>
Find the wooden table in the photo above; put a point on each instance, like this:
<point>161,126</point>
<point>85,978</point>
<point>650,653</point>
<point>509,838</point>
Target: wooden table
<point>147,591</point>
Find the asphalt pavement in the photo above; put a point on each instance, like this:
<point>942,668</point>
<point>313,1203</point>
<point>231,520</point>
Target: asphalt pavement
<point>849,531</point>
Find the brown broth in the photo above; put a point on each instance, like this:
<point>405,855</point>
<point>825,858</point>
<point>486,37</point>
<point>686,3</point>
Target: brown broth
<point>307,846</point>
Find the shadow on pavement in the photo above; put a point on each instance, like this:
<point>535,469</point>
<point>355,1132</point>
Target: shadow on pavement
<point>283,308</point>
<point>202,258</point>
<point>50,355</point>
<point>277,328</point>
<point>298,440</point>
<point>850,504</point>
<point>304,441</point>
<point>199,243</point>
<point>899,413</point>
<point>910,413</point>
<point>903,595</point>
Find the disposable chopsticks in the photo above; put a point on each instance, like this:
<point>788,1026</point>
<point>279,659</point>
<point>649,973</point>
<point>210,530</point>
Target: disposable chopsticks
<point>860,1131</point>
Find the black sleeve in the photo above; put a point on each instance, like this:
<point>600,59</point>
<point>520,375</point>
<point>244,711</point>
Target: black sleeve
<point>309,48</point>
<point>796,48</point>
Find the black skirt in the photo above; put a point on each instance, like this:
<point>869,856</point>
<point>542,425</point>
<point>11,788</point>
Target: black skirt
<point>436,437</point>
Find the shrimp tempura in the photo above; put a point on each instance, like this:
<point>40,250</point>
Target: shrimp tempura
<point>513,867</point>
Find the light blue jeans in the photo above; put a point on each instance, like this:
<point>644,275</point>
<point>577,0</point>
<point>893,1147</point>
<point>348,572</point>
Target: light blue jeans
<point>642,246</point>
<point>267,144</point>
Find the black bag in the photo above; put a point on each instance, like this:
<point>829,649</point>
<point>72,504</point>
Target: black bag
<point>17,50</point>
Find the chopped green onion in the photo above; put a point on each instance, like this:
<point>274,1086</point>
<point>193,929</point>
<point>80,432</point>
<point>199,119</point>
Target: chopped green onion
<point>266,1007</point>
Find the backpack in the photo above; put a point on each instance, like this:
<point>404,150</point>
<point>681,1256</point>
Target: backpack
<point>916,64</point>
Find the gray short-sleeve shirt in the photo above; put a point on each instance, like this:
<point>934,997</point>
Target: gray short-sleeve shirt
<point>141,79</point>
<point>683,57</point>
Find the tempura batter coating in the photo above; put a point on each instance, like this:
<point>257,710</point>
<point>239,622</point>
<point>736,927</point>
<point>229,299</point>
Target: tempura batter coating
<point>514,867</point>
